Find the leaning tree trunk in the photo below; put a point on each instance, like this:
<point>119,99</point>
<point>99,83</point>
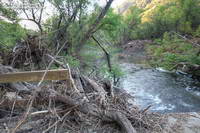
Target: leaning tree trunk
<point>94,26</point>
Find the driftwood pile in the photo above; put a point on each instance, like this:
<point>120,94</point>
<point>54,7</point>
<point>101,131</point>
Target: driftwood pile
<point>26,54</point>
<point>79,105</point>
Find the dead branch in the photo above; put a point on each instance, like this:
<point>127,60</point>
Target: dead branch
<point>92,110</point>
<point>106,53</point>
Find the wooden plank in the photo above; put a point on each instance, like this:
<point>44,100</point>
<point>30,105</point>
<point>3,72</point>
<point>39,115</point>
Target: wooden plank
<point>34,76</point>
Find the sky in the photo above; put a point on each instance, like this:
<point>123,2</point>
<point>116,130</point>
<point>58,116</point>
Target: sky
<point>114,4</point>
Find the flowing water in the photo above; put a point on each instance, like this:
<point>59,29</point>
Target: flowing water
<point>166,91</point>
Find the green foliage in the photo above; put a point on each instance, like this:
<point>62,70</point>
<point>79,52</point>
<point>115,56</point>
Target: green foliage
<point>73,30</point>
<point>114,27</point>
<point>111,25</point>
<point>191,11</point>
<point>197,32</point>
<point>166,18</point>
<point>170,50</point>
<point>91,53</point>
<point>7,12</point>
<point>116,71</point>
<point>73,62</point>
<point>132,22</point>
<point>145,31</point>
<point>111,21</point>
<point>182,16</point>
<point>69,23</point>
<point>10,33</point>
<point>118,28</point>
<point>134,16</point>
<point>179,15</point>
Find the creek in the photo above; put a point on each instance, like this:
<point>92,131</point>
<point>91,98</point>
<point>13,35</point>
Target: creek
<point>167,92</point>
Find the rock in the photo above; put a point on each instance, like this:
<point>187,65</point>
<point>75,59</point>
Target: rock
<point>182,123</point>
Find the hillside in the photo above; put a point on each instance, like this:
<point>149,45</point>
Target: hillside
<point>149,7</point>
<point>128,3</point>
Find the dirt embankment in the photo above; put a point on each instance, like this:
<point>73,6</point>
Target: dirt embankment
<point>135,46</point>
<point>134,51</point>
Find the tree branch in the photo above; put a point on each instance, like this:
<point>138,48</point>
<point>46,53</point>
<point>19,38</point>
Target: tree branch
<point>93,27</point>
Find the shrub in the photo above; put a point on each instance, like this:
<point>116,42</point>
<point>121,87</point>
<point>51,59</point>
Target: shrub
<point>197,32</point>
<point>170,50</point>
<point>10,33</point>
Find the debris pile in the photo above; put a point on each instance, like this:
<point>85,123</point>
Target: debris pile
<point>26,54</point>
<point>79,104</point>
<point>135,46</point>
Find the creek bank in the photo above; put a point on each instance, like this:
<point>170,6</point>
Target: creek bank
<point>135,51</point>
